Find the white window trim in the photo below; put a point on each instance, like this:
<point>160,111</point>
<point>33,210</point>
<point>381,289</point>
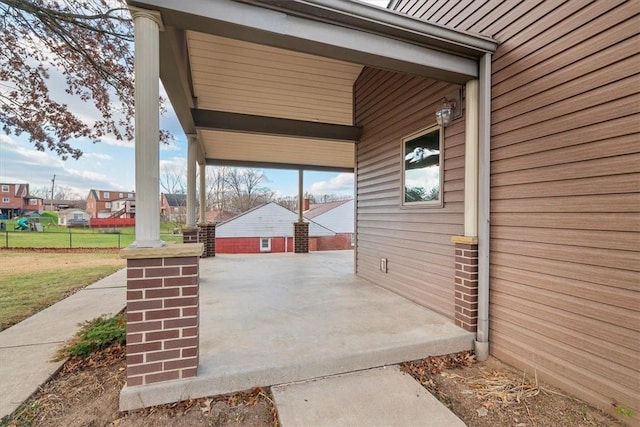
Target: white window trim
<point>105,194</point>
<point>5,200</point>
<point>5,188</point>
<point>268,248</point>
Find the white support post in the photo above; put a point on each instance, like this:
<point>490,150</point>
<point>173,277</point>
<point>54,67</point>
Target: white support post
<point>147,124</point>
<point>192,153</point>
<point>471,161</point>
<point>203,194</point>
<point>300,194</point>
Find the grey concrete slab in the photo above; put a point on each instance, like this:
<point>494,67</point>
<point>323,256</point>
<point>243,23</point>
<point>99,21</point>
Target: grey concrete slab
<point>382,397</point>
<point>26,349</point>
<point>269,319</point>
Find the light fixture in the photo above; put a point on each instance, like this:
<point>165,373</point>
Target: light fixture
<point>445,114</point>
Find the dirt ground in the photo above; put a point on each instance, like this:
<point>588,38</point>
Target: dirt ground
<point>85,393</point>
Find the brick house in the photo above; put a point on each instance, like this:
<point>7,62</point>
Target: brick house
<point>266,228</point>
<point>15,200</point>
<point>101,203</point>
<point>336,216</point>
<point>173,207</point>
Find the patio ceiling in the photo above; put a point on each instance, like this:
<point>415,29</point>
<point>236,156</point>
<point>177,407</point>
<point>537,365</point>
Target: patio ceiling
<point>269,83</point>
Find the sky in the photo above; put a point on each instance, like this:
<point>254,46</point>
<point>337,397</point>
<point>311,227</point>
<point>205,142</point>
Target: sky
<point>109,164</point>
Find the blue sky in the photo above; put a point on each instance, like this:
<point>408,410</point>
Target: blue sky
<point>109,165</point>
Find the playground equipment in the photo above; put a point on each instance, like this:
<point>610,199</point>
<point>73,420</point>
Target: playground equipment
<point>22,224</point>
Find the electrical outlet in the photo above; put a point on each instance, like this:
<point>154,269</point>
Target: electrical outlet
<point>383,265</point>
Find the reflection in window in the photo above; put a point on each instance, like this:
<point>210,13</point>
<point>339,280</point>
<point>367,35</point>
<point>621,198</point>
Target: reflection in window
<point>422,175</point>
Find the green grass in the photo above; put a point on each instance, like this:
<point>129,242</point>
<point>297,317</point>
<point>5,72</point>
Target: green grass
<point>32,281</point>
<point>55,236</point>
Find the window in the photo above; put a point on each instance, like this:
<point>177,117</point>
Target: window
<point>422,168</point>
<point>5,188</point>
<point>33,201</point>
<point>130,195</point>
<point>5,200</point>
<point>105,194</point>
<point>107,205</point>
<point>265,245</point>
<point>120,196</point>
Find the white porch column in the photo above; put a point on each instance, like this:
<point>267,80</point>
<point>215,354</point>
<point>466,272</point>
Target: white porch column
<point>471,161</point>
<point>203,194</point>
<point>300,194</point>
<point>147,123</point>
<point>192,153</point>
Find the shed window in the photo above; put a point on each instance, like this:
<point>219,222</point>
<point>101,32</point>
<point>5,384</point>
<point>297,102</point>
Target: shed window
<point>422,168</point>
<point>265,245</point>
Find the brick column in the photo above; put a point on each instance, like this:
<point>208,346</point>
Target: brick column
<point>190,235</point>
<point>466,283</point>
<point>162,313</point>
<point>301,237</point>
<point>208,238</point>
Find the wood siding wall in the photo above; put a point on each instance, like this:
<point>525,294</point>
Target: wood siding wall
<point>565,181</point>
<point>416,241</point>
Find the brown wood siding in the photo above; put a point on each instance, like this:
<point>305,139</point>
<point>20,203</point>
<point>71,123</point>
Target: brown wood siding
<point>565,188</point>
<point>416,241</point>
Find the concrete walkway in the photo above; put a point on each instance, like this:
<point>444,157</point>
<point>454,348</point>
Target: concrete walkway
<point>26,349</point>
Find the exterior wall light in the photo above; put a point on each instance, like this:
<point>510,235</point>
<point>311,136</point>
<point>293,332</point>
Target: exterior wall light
<point>444,115</point>
<point>451,108</point>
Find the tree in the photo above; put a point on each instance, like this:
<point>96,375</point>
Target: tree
<point>88,45</point>
<point>246,190</point>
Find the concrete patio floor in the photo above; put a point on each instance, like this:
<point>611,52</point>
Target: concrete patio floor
<point>269,319</point>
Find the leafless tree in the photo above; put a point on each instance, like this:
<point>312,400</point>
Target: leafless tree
<point>88,44</point>
<point>246,189</point>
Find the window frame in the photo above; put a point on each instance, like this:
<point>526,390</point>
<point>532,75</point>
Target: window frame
<point>6,200</point>
<point>404,142</point>
<point>106,194</point>
<point>6,188</point>
<point>268,248</point>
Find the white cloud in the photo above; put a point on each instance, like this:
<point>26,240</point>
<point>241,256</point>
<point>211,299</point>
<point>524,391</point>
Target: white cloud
<point>174,165</point>
<point>340,183</point>
<point>99,156</point>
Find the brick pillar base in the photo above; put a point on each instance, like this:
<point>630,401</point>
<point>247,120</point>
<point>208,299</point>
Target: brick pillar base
<point>208,237</point>
<point>162,313</point>
<point>466,283</point>
<point>190,235</point>
<point>301,237</point>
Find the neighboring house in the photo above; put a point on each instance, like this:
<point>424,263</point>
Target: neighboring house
<point>100,203</point>
<point>266,228</point>
<point>60,205</point>
<point>73,217</point>
<point>15,200</point>
<point>337,217</point>
<point>123,208</point>
<point>173,207</point>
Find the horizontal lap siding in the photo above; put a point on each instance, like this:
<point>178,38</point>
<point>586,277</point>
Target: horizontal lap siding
<point>416,241</point>
<point>565,188</point>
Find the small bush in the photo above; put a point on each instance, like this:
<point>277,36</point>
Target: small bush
<point>97,334</point>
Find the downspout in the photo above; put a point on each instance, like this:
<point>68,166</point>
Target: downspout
<point>484,189</point>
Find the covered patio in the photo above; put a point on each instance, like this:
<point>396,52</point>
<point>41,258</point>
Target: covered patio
<point>272,84</point>
<point>295,317</point>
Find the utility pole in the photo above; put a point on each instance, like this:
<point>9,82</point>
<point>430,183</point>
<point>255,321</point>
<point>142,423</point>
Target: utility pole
<point>53,183</point>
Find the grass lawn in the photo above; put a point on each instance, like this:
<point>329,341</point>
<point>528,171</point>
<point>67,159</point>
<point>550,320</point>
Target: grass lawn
<point>55,236</point>
<point>32,281</point>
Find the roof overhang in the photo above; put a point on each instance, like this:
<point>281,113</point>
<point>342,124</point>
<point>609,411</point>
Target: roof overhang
<point>250,76</point>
